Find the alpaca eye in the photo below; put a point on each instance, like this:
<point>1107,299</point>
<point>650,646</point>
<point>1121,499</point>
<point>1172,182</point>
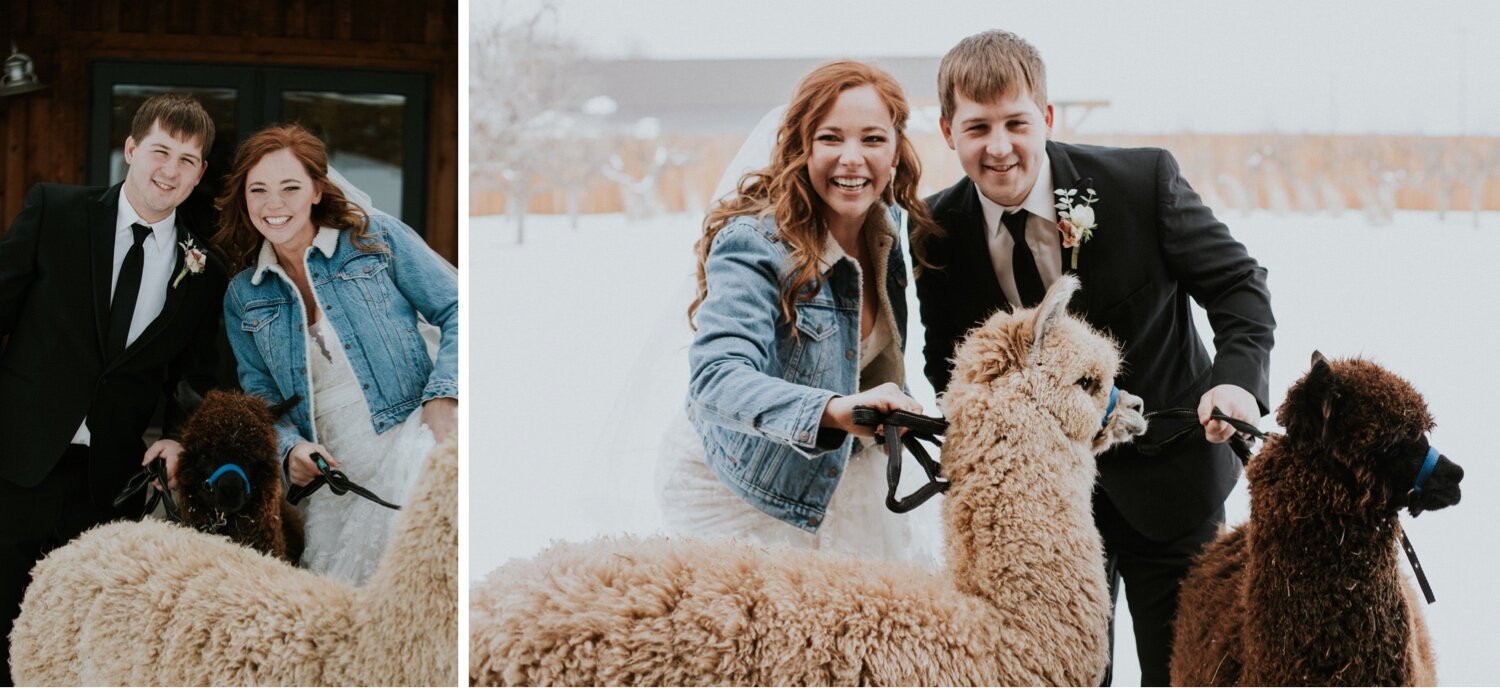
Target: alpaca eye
<point>1088,384</point>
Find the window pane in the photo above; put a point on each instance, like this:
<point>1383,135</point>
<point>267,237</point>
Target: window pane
<point>364,133</point>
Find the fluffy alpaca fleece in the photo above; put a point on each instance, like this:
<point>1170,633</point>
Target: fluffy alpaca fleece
<point>154,603</point>
<point>230,427</point>
<point>1023,600</point>
<point>1311,590</point>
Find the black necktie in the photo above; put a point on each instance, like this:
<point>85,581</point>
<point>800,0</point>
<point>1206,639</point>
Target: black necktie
<point>127,288</point>
<point>1022,263</point>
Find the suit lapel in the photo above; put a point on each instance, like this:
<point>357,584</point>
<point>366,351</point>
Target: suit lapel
<point>102,217</point>
<point>1064,176</point>
<point>168,309</point>
<point>974,248</point>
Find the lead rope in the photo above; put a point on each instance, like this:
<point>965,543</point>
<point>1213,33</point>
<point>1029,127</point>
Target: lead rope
<point>337,482</point>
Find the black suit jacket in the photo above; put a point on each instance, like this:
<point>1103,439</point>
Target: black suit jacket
<point>56,272</point>
<point>1155,247</point>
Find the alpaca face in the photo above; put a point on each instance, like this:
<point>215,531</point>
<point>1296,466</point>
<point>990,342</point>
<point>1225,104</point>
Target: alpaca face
<point>1125,424</point>
<point>1372,426</point>
<point>1047,359</point>
<point>1072,376</point>
<point>229,454</point>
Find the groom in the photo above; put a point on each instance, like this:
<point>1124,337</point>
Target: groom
<point>1142,244</point>
<point>107,302</point>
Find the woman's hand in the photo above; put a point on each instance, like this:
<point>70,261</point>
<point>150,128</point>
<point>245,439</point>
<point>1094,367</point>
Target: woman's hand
<point>839,413</point>
<point>300,467</point>
<point>440,415</point>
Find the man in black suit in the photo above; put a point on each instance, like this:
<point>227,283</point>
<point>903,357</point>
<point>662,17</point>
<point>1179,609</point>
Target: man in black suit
<point>108,300</point>
<point>1142,244</point>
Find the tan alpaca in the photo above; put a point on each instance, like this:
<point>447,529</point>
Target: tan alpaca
<point>1023,600</point>
<point>154,603</point>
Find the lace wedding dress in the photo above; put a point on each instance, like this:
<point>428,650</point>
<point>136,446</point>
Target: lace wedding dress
<point>346,534</point>
<point>695,503</point>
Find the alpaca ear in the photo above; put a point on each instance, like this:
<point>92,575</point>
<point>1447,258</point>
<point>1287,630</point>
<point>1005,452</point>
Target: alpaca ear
<point>279,410</point>
<point>1318,397</point>
<point>188,398</point>
<point>1053,308</point>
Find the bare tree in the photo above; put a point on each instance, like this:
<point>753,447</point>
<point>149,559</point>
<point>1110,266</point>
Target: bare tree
<point>522,75</point>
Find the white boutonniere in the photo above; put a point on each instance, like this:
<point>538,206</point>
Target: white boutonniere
<point>1076,216</point>
<point>193,260</point>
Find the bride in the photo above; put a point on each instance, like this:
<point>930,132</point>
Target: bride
<point>327,306</point>
<point>800,316</point>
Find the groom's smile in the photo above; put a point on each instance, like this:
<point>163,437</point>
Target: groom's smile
<point>163,171</point>
<point>1000,143</point>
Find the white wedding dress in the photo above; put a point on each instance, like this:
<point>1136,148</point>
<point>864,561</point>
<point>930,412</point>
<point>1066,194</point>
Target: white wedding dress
<point>694,502</point>
<point>346,534</point>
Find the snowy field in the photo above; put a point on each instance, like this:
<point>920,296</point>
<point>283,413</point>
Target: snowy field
<point>579,360</point>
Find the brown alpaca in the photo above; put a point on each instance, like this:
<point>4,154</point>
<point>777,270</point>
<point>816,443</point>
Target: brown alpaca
<point>1311,590</point>
<point>1023,601</point>
<point>231,438</point>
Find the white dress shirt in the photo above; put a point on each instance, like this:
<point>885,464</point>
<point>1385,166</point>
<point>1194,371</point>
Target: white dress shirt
<point>1042,236</point>
<point>159,251</point>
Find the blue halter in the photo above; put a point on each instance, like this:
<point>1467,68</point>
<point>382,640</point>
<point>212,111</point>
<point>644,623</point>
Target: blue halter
<point>1114,396</point>
<point>1427,465</point>
<point>230,468</point>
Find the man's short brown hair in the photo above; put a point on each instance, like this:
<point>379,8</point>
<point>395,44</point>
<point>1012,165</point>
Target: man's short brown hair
<point>989,66</point>
<point>180,115</point>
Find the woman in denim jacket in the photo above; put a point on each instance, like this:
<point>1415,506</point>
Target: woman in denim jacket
<point>326,310</point>
<point>800,317</point>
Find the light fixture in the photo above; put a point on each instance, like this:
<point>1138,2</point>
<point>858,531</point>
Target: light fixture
<point>19,75</point>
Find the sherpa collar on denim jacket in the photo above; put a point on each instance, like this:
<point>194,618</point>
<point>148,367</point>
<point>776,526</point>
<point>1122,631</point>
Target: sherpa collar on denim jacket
<point>327,241</point>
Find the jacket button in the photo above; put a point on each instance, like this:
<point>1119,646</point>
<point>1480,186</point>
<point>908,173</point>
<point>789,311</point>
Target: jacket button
<point>367,386</point>
<point>833,472</point>
<point>804,437</point>
<point>317,275</point>
<point>348,347</point>
<point>849,354</point>
<point>813,521</point>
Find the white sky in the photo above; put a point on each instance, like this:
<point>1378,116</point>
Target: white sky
<point>1173,65</point>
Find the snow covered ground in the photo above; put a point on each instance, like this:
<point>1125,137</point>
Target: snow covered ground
<point>578,360</point>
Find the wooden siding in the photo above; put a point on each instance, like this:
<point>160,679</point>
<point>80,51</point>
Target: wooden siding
<point>45,134</point>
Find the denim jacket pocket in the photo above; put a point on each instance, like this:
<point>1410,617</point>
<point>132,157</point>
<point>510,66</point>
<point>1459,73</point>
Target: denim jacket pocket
<point>258,318</point>
<point>816,323</point>
<point>365,273</point>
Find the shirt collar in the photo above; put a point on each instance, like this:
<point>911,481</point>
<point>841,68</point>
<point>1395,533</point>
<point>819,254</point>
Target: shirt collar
<point>326,241</point>
<point>163,231</point>
<point>1039,202</point>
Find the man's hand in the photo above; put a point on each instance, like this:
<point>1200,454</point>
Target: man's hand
<point>170,450</point>
<point>440,415</point>
<point>1235,402</point>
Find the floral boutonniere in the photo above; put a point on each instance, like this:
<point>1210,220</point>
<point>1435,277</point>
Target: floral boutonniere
<point>193,260</point>
<point>1076,216</point>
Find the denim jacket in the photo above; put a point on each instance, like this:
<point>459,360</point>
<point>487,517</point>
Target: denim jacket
<point>372,301</point>
<point>756,392</point>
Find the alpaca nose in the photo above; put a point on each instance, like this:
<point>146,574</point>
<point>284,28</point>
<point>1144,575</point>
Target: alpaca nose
<point>1134,403</point>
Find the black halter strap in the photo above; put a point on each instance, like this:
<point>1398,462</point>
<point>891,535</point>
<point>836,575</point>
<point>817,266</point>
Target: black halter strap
<point>919,429</point>
<point>337,482</point>
<point>1239,444</point>
<point>152,479</point>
